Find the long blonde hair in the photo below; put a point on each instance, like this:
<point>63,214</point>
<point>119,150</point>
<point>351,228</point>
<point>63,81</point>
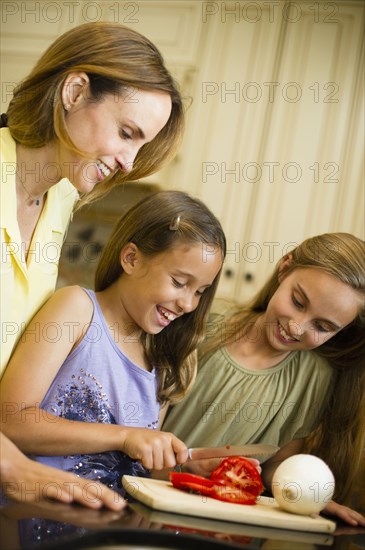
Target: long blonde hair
<point>115,58</point>
<point>340,437</point>
<point>156,224</point>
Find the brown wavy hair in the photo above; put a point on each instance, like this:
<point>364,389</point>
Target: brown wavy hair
<point>115,58</point>
<point>147,225</point>
<point>340,437</point>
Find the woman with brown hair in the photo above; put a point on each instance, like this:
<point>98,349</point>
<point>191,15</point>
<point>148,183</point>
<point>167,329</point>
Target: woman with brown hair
<point>98,109</point>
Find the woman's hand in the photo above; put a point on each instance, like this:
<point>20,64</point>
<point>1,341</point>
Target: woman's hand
<point>154,449</point>
<point>25,480</point>
<point>345,513</point>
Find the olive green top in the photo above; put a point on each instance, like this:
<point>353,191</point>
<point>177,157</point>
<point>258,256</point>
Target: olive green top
<point>230,404</point>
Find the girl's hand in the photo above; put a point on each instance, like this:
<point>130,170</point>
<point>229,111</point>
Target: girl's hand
<point>345,513</point>
<point>156,450</point>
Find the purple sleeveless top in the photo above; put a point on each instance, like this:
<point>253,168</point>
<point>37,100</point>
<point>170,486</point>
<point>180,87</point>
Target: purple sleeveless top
<point>98,383</point>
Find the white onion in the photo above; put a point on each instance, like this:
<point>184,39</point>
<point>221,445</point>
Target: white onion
<point>303,484</point>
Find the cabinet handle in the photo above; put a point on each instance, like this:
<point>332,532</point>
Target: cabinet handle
<point>229,273</point>
<point>248,277</point>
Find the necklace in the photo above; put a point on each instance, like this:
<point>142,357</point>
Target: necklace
<point>35,200</point>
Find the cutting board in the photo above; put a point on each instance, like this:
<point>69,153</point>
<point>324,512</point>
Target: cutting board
<point>161,495</point>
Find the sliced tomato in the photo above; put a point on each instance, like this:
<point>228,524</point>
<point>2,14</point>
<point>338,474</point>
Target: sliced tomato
<point>192,482</point>
<point>240,473</point>
<point>229,493</point>
<point>235,480</point>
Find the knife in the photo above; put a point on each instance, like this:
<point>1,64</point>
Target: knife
<point>259,451</point>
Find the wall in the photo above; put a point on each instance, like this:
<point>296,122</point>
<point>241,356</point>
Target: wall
<point>275,133</point>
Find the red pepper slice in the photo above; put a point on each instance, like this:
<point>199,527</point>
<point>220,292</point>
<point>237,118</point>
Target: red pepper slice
<point>192,482</point>
<point>235,480</point>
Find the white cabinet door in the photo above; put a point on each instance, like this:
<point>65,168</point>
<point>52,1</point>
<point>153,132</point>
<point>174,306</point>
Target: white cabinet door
<point>275,136</point>
<point>28,28</point>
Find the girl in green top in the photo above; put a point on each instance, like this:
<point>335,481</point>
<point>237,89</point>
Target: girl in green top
<point>288,368</point>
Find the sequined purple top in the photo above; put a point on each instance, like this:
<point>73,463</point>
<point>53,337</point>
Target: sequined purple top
<point>98,383</point>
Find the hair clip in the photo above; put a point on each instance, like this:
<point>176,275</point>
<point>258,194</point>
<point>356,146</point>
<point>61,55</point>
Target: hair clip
<point>3,120</point>
<point>174,225</point>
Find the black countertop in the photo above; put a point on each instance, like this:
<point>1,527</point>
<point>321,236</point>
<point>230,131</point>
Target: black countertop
<point>56,526</point>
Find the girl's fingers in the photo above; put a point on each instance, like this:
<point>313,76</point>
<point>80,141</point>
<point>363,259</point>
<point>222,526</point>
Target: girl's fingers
<point>348,515</point>
<point>180,449</point>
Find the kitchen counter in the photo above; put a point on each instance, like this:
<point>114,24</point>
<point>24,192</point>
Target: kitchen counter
<point>56,526</point>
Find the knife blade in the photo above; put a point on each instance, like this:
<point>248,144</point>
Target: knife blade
<point>259,451</point>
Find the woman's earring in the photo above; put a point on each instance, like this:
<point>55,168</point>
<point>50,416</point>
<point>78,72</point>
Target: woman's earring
<point>67,107</point>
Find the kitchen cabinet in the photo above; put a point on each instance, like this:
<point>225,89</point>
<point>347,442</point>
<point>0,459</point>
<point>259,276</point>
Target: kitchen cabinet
<point>28,28</point>
<point>275,134</point>
<point>275,137</point>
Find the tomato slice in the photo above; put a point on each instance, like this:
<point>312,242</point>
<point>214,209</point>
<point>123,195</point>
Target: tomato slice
<point>230,493</point>
<point>235,480</point>
<point>239,472</point>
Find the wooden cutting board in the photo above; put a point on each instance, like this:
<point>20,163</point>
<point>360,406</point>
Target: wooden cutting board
<point>161,495</point>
